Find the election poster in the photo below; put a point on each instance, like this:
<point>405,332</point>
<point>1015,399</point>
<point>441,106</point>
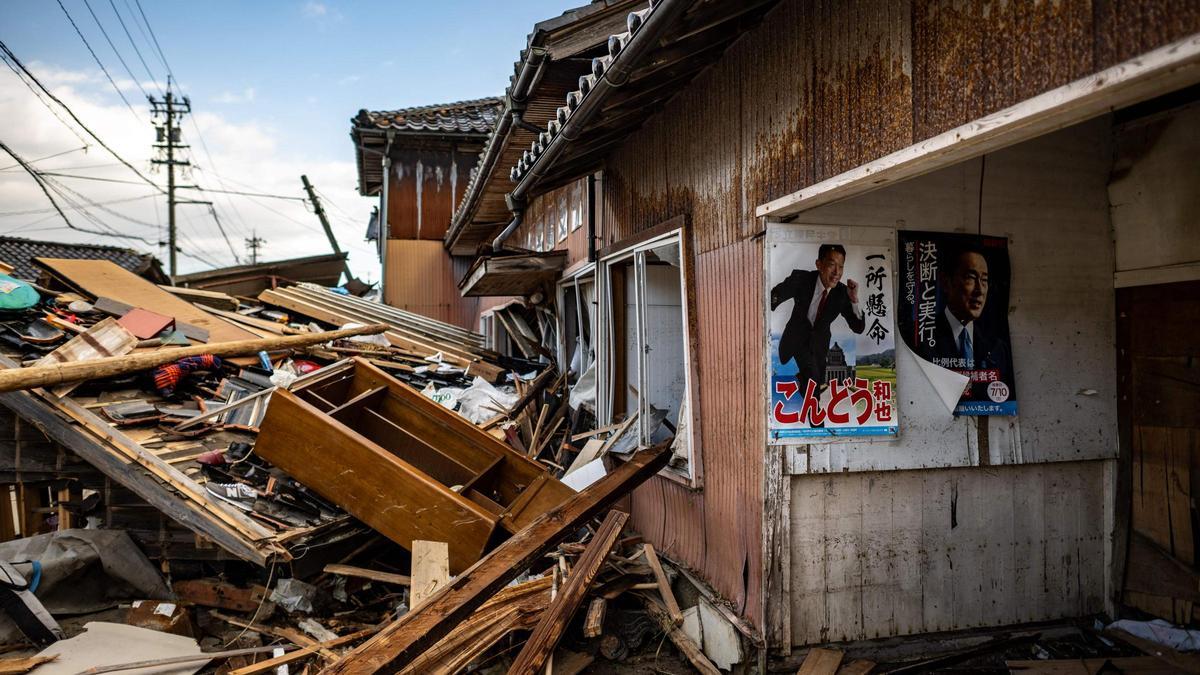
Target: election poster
<point>953,313</point>
<point>831,334</point>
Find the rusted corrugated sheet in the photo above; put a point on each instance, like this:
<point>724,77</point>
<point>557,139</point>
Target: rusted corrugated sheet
<point>1126,29</point>
<point>971,59</point>
<point>547,216</point>
<point>426,185</point>
<point>422,278</point>
<point>717,530</point>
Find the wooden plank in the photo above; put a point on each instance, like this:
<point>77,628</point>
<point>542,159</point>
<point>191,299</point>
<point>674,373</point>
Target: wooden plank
<point>1184,663</point>
<point>430,570</point>
<point>271,664</point>
<point>373,575</point>
<point>821,662</point>
<point>23,665</point>
<point>593,623</point>
<point>213,593</point>
<point>402,640</point>
<point>686,646</point>
<point>514,608</point>
<point>103,279</point>
<point>664,586</point>
<point>252,321</point>
<point>196,296</point>
<point>554,622</point>
<point>1168,68</point>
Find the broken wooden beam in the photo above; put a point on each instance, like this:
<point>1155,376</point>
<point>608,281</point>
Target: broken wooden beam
<point>373,575</point>
<point>686,646</point>
<point>664,586</point>
<point>400,642</point>
<point>15,379</point>
<point>554,622</point>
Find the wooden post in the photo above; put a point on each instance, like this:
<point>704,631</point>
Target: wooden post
<point>8,529</point>
<point>15,379</point>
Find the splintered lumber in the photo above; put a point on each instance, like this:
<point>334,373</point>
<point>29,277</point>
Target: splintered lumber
<point>593,623</point>
<point>399,642</point>
<point>52,374</point>
<point>430,569</point>
<point>664,586</point>
<point>373,575</point>
<point>545,637</point>
<point>271,664</point>
<point>686,646</point>
<point>514,608</point>
<point>212,593</point>
<point>821,662</point>
<point>176,660</point>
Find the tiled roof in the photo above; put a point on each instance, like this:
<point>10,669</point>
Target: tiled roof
<point>474,117</point>
<point>18,252</point>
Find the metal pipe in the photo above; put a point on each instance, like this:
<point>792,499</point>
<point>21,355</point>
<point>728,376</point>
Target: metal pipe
<point>518,216</point>
<point>645,39</point>
<point>591,216</point>
<point>384,227</point>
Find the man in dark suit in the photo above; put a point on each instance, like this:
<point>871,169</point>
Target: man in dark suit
<point>819,298</point>
<point>963,339</point>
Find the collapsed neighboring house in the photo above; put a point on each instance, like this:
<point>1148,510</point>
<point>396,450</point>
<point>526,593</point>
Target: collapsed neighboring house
<point>638,205</point>
<point>20,252</point>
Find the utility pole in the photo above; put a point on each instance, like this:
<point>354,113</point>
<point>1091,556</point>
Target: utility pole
<point>253,244</point>
<point>172,110</point>
<point>316,204</point>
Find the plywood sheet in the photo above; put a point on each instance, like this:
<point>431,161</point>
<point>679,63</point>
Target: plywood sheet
<point>103,279</point>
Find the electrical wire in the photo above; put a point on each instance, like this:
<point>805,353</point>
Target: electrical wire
<point>38,96</point>
<point>33,173</point>
<point>42,159</point>
<point>135,47</point>
<point>4,48</point>
<point>152,36</point>
<point>250,194</point>
<point>31,212</point>
<point>213,210</point>
<point>98,178</point>
<point>113,46</point>
<point>97,58</point>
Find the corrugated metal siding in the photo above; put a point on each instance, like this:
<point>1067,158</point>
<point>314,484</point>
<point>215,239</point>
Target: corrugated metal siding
<point>546,213</point>
<point>816,89</point>
<point>426,185</point>
<point>716,530</point>
<point>422,278</point>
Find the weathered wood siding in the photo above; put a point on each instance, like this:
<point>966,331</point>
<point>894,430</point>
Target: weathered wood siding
<point>816,89</point>
<point>546,216</point>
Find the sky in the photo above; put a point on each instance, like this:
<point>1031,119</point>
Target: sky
<point>272,85</point>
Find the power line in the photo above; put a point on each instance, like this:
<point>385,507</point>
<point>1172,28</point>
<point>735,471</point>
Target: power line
<point>8,52</point>
<point>113,46</point>
<point>213,210</point>
<point>152,36</point>
<point>42,159</point>
<point>38,96</point>
<point>247,194</point>
<point>93,52</point>
<point>31,212</point>
<point>33,173</point>
<point>134,44</point>
<point>97,178</point>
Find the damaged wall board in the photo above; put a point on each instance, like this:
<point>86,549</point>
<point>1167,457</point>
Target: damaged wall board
<point>403,464</point>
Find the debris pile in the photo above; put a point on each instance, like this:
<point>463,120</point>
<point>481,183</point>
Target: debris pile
<point>319,480</point>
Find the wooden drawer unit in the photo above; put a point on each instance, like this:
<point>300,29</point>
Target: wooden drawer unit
<point>403,464</point>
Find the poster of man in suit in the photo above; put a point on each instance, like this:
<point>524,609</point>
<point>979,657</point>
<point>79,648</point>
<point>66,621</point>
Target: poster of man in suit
<point>954,313</point>
<point>832,347</point>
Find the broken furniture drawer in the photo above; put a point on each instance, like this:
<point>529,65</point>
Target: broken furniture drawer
<point>403,464</point>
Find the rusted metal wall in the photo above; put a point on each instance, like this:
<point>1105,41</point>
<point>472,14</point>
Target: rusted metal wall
<point>426,185</point>
<point>423,278</point>
<point>819,88</point>
<point>716,530</point>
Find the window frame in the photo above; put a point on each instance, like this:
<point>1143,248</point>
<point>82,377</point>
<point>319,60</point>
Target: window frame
<point>605,376</point>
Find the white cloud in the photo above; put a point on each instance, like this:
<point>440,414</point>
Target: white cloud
<point>248,156</point>
<point>314,9</point>
<point>244,96</point>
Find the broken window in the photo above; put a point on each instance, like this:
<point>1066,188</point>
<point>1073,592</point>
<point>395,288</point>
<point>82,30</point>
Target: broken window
<point>576,351</point>
<point>643,352</point>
